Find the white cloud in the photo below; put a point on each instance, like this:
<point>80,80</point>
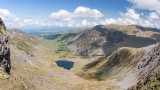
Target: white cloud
<point>28,22</point>
<point>142,13</point>
<point>127,18</point>
<point>71,23</point>
<point>87,12</point>
<point>65,19</point>
<point>131,17</point>
<point>13,21</point>
<point>61,15</point>
<point>131,14</point>
<point>146,4</point>
<point>153,15</point>
<point>80,11</point>
<point>5,12</point>
<point>121,21</point>
<point>85,23</point>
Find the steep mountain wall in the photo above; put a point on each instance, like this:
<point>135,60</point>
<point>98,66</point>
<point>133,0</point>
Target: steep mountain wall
<point>4,48</point>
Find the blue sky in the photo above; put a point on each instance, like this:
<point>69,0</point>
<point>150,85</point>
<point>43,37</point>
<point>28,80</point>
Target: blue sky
<point>37,14</point>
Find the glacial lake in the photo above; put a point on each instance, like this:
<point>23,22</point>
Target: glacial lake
<point>65,64</point>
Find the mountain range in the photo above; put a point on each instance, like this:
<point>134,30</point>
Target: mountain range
<point>106,57</point>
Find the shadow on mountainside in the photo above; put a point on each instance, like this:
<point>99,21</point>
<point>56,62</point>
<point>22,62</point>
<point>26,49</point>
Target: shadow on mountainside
<point>148,29</point>
<point>116,39</point>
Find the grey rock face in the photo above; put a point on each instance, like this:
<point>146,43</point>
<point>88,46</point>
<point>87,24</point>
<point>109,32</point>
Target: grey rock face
<point>149,69</point>
<point>150,63</point>
<point>4,48</point>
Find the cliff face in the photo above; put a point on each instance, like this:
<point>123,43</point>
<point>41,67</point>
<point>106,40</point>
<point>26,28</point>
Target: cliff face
<point>149,69</point>
<point>4,49</point>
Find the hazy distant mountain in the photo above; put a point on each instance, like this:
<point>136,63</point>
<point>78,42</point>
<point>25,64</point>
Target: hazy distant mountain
<point>63,34</point>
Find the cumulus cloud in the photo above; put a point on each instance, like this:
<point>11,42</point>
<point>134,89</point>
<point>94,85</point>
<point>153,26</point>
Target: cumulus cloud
<point>110,21</point>
<point>131,17</point>
<point>80,11</point>
<point>87,12</point>
<point>83,17</point>
<point>127,18</point>
<point>5,12</point>
<point>153,15</point>
<point>13,21</point>
<point>131,14</point>
<point>153,6</point>
<point>146,4</point>
<point>61,15</point>
<point>85,23</point>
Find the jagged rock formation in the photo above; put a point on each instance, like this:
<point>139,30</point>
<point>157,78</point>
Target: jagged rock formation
<point>103,39</point>
<point>4,48</point>
<point>128,66</point>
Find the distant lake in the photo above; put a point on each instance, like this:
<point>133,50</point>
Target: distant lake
<point>65,64</point>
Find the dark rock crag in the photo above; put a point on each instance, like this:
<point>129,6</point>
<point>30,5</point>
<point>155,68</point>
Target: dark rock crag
<point>5,63</point>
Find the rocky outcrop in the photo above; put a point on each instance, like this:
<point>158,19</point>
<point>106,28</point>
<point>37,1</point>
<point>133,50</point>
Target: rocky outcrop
<point>150,63</point>
<point>149,69</point>
<point>103,39</point>
<point>4,49</point>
